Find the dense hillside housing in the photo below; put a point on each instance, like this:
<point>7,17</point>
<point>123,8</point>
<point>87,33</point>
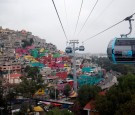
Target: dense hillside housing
<point>19,49</point>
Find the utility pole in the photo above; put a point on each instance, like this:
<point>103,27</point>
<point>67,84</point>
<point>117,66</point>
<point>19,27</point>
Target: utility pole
<point>73,42</point>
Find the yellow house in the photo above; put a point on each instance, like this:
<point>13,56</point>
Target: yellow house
<point>40,92</point>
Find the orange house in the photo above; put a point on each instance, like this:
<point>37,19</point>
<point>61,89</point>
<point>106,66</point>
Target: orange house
<point>90,108</point>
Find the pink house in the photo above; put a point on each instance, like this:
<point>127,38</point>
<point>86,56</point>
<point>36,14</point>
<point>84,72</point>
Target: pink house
<point>21,51</point>
<point>60,65</point>
<point>59,59</point>
<point>62,75</point>
<point>25,51</point>
<point>18,50</point>
<point>30,47</point>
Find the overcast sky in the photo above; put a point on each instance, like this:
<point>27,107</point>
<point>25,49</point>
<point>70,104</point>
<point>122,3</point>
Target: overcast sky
<point>39,17</point>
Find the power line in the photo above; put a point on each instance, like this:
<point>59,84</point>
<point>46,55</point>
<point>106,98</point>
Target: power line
<point>78,17</point>
<point>59,19</point>
<point>110,27</point>
<point>88,16</point>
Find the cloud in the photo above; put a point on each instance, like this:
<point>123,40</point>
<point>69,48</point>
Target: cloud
<point>39,17</point>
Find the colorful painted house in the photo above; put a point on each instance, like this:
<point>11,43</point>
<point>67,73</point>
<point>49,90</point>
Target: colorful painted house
<point>62,75</point>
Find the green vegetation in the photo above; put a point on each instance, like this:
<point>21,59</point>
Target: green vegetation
<point>27,43</point>
<point>31,82</point>
<point>67,90</point>
<point>57,111</point>
<point>86,93</point>
<point>3,103</point>
<point>77,108</point>
<point>120,99</point>
<point>53,93</point>
<point>106,64</point>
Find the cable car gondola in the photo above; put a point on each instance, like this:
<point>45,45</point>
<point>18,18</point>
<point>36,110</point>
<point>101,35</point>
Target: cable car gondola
<point>68,50</point>
<point>122,50</point>
<point>81,48</point>
<point>76,48</point>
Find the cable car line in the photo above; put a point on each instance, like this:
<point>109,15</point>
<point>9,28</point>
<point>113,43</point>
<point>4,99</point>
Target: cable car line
<point>103,31</point>
<point>65,8</point>
<point>78,18</point>
<point>109,27</point>
<point>59,19</point>
<point>66,11</point>
<point>88,16</point>
<point>102,12</point>
<point>105,9</point>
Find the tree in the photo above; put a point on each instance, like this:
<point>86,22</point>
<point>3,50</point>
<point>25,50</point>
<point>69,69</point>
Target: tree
<point>76,108</point>
<point>53,93</point>
<point>108,65</point>
<point>40,82</point>
<point>86,93</point>
<point>33,72</point>
<point>27,43</point>
<point>2,99</point>
<point>119,99</point>
<point>27,87</point>
<point>24,108</point>
<point>31,41</point>
<point>57,111</point>
<point>70,75</point>
<point>67,90</point>
<point>66,112</point>
<point>127,108</point>
<point>30,83</point>
<point>27,68</point>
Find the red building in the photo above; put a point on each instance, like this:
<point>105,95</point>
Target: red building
<point>62,75</point>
